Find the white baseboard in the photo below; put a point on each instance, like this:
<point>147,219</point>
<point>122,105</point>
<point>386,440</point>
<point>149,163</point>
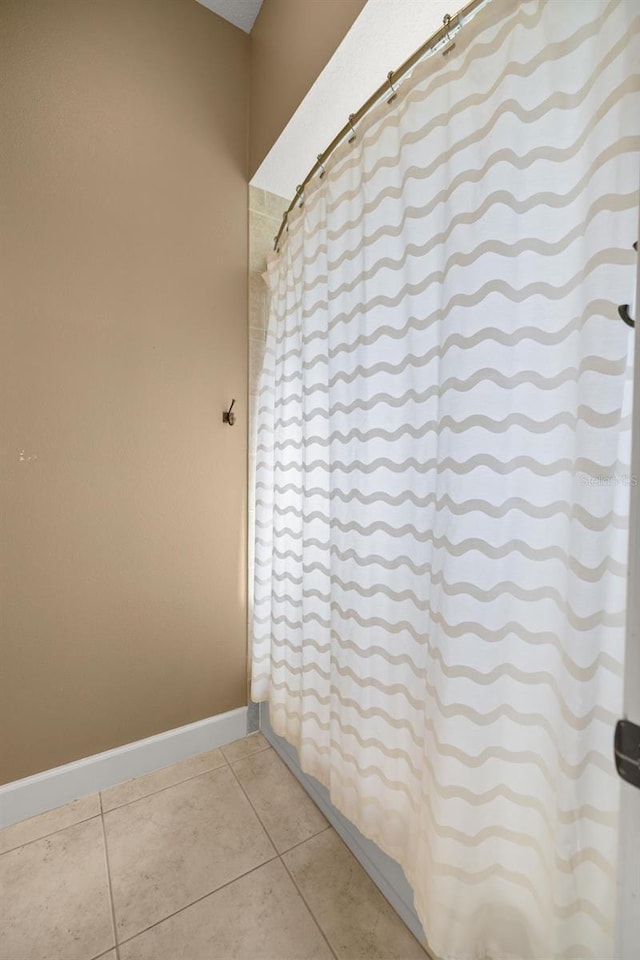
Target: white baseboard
<point>51,788</point>
<point>386,873</point>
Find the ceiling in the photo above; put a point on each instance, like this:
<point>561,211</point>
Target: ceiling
<point>242,13</point>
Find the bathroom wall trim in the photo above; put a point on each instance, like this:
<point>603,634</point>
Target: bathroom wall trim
<point>386,873</point>
<point>51,788</point>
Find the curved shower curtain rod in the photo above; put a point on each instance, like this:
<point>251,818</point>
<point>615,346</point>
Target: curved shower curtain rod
<point>441,38</point>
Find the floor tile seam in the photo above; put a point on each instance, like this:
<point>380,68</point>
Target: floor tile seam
<point>258,817</point>
<point>153,793</point>
<point>325,936</point>
<point>103,811</point>
<point>45,836</point>
<point>281,853</point>
<point>248,756</point>
<point>192,903</point>
<point>105,953</point>
<point>109,886</point>
<point>280,858</point>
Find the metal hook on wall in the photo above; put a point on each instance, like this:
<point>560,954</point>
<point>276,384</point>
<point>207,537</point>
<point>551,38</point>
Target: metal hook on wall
<point>228,416</point>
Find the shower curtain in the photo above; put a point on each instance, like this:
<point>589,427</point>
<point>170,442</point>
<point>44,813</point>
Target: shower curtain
<point>443,476</point>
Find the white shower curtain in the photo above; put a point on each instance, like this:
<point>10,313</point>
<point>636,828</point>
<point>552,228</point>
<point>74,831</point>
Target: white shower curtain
<point>443,476</point>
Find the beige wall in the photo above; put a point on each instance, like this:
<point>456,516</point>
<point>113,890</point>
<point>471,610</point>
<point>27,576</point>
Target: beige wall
<point>291,42</point>
<point>124,334</point>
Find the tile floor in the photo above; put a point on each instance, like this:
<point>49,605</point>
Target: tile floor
<point>220,857</point>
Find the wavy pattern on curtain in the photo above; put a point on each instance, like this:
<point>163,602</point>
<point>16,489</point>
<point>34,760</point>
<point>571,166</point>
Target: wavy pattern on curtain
<point>442,477</point>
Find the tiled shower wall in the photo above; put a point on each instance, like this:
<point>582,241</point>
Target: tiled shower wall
<point>265,215</point>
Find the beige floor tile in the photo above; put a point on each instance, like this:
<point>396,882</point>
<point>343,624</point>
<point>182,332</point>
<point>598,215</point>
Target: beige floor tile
<point>259,917</point>
<point>54,897</point>
<point>356,919</point>
<point>245,747</point>
<point>167,777</point>
<point>41,826</point>
<point>170,848</point>
<point>288,813</point>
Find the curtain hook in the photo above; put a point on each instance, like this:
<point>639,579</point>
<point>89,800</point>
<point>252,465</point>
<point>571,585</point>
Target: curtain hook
<point>321,166</point>
<point>300,194</point>
<point>353,135</point>
<point>449,43</point>
<point>394,92</point>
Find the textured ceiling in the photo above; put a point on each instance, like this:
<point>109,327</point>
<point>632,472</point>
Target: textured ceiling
<point>242,13</point>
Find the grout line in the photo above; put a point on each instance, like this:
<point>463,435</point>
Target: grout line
<point>249,755</point>
<point>267,834</point>
<point>308,906</point>
<point>422,943</point>
<point>280,858</point>
<point>215,889</point>
<point>225,763</point>
<point>45,836</point>
<point>102,813</point>
<point>204,896</point>
<point>106,857</point>
<point>101,956</point>
<point>306,839</point>
<point>160,789</point>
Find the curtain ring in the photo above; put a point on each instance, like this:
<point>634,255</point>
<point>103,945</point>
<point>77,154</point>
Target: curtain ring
<point>300,194</point>
<point>394,92</point>
<point>449,43</point>
<point>353,135</point>
<point>321,166</point>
